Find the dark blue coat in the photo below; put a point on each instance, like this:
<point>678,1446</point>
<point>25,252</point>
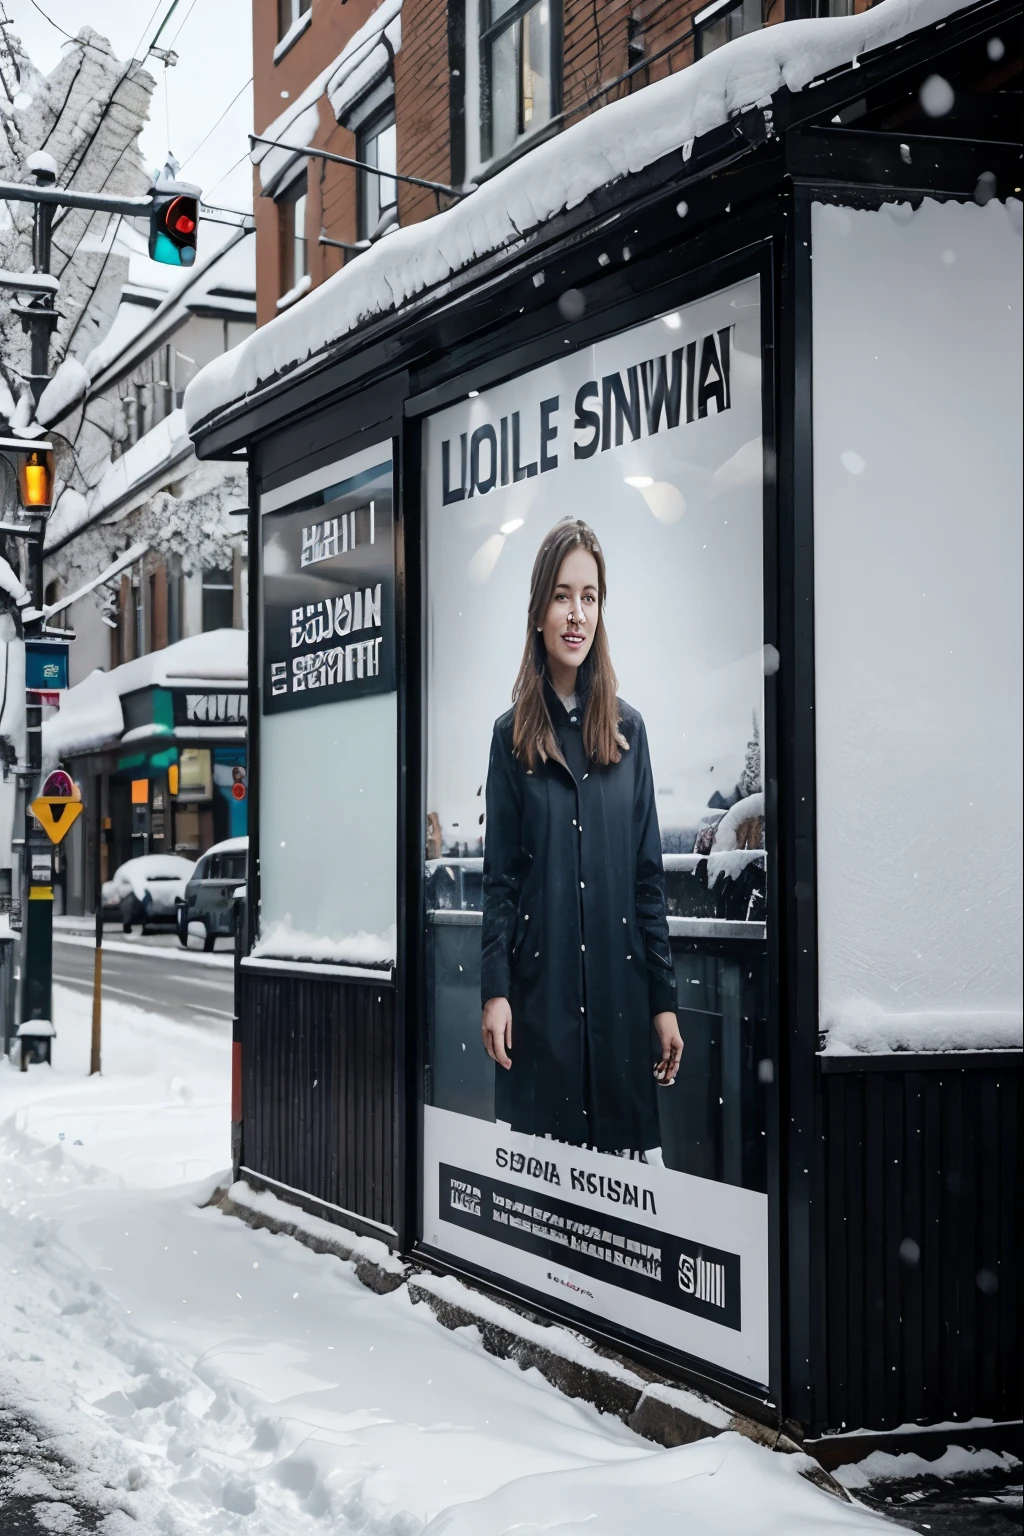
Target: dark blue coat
<point>575,935</point>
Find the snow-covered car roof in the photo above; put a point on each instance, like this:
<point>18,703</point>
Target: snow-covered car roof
<point>229,845</point>
<point>156,866</point>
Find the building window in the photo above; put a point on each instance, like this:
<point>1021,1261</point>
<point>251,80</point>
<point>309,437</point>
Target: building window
<point>833,7</point>
<point>720,23</point>
<point>517,72</point>
<point>288,13</point>
<point>218,600</point>
<point>291,213</point>
<point>376,144</point>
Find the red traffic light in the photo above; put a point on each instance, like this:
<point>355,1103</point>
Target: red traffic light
<point>238,791</point>
<point>174,223</point>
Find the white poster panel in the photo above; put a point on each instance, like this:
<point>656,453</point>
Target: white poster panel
<point>652,440</point>
<point>678,1259</point>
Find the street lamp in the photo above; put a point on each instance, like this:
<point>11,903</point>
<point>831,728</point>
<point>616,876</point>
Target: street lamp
<point>35,478</point>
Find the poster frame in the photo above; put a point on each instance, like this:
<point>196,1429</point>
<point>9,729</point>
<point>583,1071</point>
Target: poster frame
<point>618,314</point>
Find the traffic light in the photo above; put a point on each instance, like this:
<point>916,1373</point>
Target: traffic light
<point>174,223</point>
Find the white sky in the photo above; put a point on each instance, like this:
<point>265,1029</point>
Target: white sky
<point>214,45</point>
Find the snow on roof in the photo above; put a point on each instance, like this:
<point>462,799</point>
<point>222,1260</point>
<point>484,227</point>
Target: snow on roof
<point>619,140</point>
<point>162,449</point>
<point>356,67</point>
<point>231,266</point>
<point>90,713</point>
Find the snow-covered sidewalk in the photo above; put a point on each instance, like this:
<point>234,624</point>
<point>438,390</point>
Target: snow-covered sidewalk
<point>198,1376</point>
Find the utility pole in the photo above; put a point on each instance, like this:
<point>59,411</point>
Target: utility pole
<point>173,212</point>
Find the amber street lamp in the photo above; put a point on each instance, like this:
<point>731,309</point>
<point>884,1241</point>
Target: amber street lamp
<point>35,477</point>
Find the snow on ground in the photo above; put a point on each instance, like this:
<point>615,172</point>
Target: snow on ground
<point>198,1376</point>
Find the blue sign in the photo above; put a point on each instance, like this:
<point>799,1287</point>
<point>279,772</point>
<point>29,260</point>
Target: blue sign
<point>46,666</point>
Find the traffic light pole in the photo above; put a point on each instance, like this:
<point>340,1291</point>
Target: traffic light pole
<point>173,211</point>
<point>40,317</point>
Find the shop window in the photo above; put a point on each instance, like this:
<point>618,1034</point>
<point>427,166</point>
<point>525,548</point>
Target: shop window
<point>720,23</point>
<point>218,600</point>
<point>834,8</point>
<point>376,145</point>
<point>518,71</point>
<point>291,214</point>
<point>288,13</point>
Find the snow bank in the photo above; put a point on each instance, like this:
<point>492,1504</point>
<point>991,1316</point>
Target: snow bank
<point>956,1461</point>
<point>718,1487</point>
<point>861,1028</point>
<point>620,139</point>
<point>197,1375</point>
<point>91,714</point>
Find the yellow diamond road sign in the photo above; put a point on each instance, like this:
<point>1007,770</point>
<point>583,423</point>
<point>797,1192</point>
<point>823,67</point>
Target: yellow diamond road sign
<point>56,815</point>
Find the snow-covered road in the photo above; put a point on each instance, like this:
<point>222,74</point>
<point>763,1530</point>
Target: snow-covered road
<point>195,1375</point>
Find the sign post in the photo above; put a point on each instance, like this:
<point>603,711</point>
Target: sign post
<point>56,810</point>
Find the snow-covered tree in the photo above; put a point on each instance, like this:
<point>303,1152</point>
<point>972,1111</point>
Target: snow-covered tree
<point>750,779</point>
<point>86,114</point>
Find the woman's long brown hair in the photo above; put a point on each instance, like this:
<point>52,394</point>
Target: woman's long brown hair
<point>533,735</point>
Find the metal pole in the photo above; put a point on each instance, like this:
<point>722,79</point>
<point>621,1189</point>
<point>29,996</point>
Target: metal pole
<point>97,971</point>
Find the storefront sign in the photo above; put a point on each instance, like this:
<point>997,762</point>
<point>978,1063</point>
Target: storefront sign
<point>555,858</point>
<point>46,666</point>
<point>211,708</point>
<point>328,582</point>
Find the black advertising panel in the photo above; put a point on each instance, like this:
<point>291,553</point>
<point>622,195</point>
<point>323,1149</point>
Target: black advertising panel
<point>329,594</point>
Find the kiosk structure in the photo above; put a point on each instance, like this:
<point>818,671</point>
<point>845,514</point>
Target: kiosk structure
<point>773,358</point>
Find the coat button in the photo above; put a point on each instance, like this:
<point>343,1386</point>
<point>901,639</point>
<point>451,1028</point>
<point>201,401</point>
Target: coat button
<point>583,885</point>
<point>583,947</point>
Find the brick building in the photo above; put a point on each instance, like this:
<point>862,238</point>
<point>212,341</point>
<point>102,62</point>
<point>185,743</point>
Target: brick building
<point>444,93</point>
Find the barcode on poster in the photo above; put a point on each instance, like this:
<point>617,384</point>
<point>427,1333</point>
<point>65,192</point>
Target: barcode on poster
<point>702,1279</point>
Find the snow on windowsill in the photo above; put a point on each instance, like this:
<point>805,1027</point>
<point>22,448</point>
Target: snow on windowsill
<point>295,293</point>
<point>283,942</point>
<point>621,139</point>
<point>293,34</point>
<point>861,1029</point>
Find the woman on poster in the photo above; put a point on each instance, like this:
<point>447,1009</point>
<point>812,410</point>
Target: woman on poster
<point>577,981</point>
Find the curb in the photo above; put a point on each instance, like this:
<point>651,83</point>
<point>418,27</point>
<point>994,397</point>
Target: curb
<point>654,1407</point>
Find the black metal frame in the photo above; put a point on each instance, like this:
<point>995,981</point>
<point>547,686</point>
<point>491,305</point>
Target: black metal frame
<point>631,297</point>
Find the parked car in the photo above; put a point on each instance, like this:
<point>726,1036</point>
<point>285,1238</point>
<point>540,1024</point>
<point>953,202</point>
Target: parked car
<point>208,900</point>
<point>144,890</point>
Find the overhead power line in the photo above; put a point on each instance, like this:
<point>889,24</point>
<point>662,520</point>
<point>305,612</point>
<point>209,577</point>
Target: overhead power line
<point>217,124</point>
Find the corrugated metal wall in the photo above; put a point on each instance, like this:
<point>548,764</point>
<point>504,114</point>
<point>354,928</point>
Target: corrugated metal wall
<point>923,1263</point>
<point>318,1088</point>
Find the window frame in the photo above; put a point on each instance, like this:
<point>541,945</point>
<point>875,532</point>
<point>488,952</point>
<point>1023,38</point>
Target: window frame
<point>487,33</point>
<point>295,9</point>
<point>287,202</point>
<point>712,15</point>
<point>370,128</point>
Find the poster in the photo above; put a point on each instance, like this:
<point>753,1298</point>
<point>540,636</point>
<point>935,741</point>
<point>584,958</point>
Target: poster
<point>329,594</point>
<point>596,1085</point>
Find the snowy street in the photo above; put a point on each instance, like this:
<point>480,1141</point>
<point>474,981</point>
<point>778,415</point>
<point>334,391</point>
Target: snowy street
<point>190,1374</point>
